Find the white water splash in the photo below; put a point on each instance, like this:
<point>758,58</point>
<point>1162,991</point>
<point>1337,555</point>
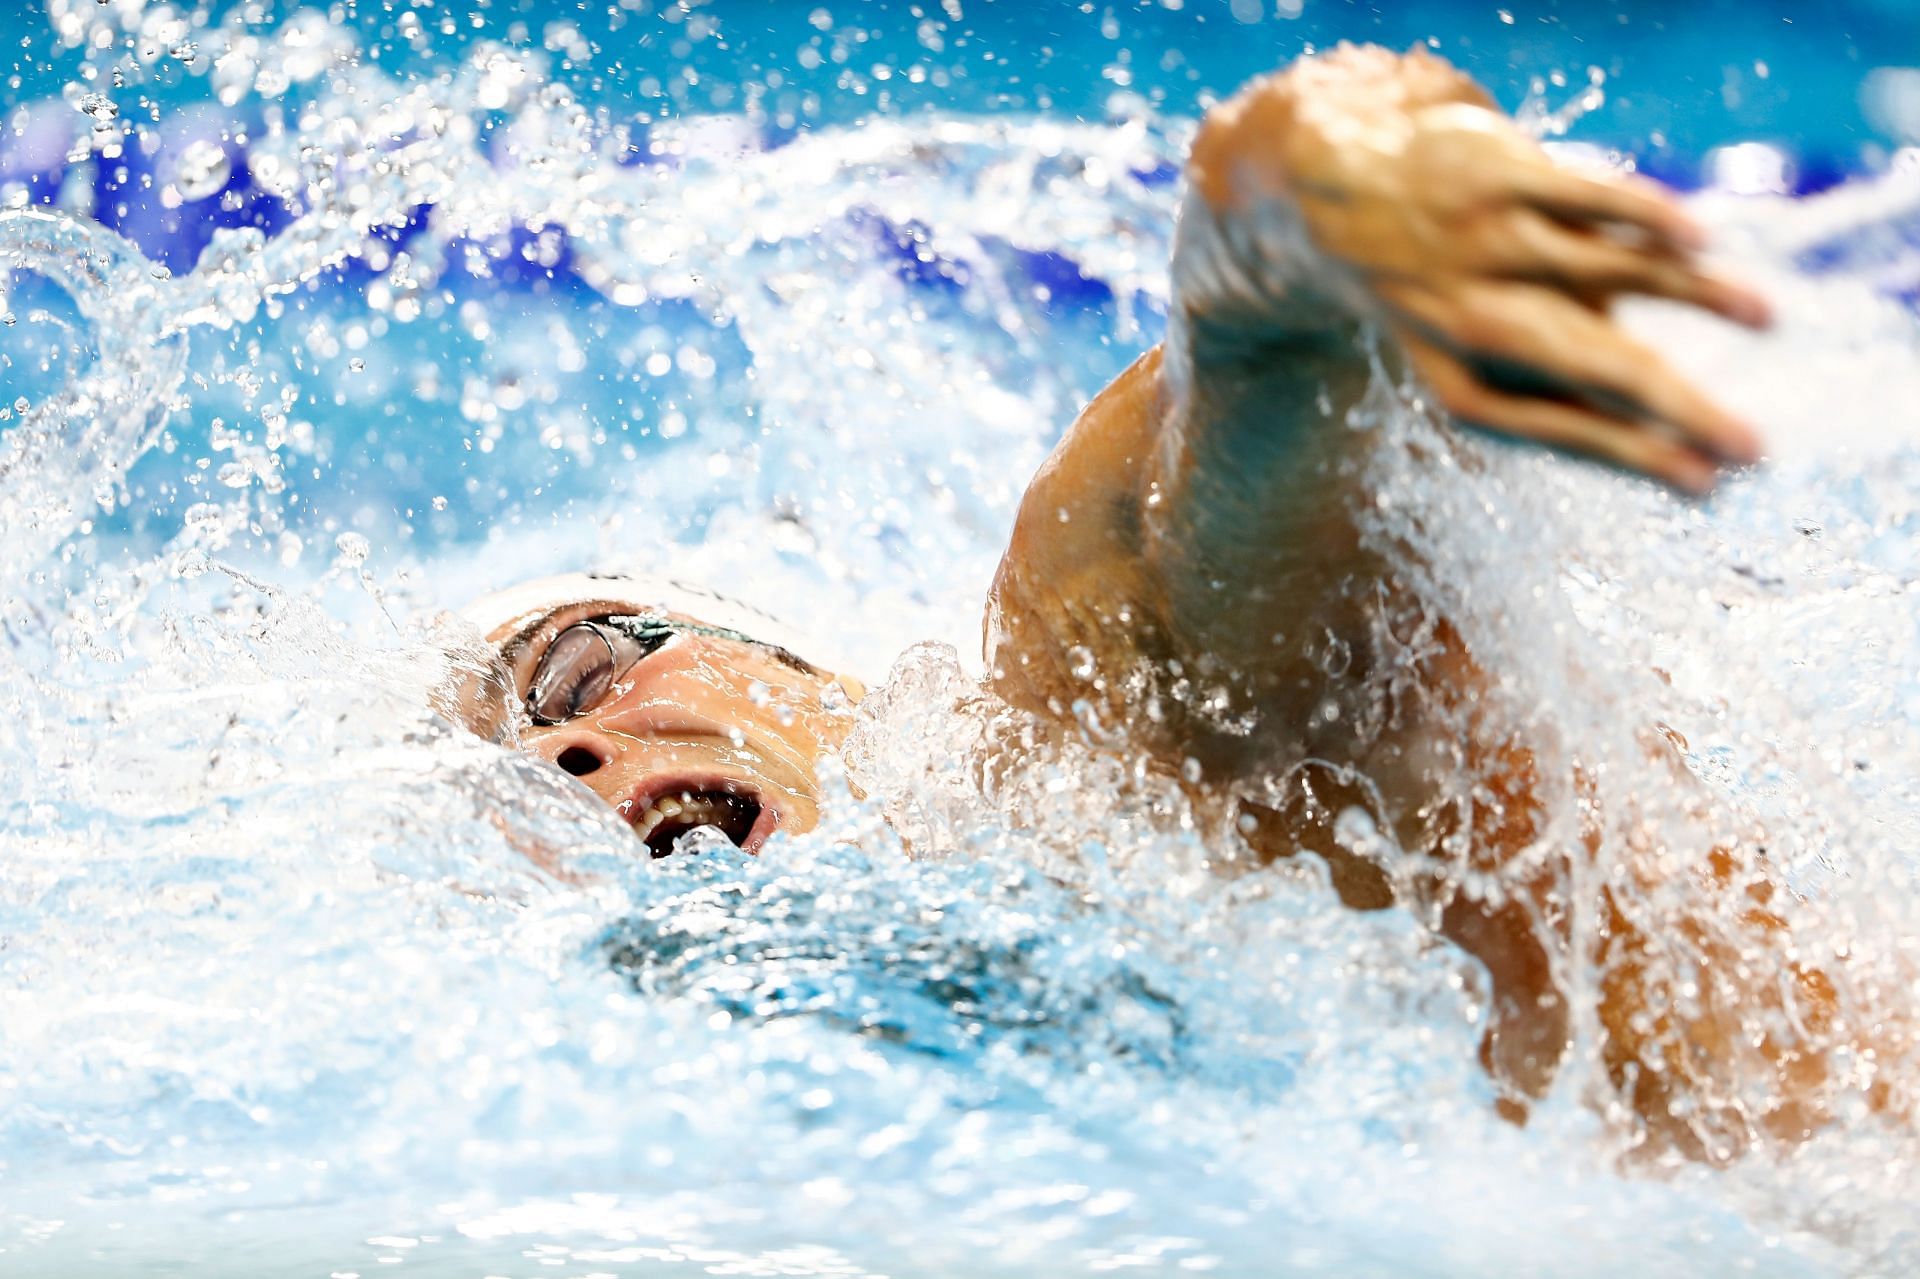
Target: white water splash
<point>297,977</point>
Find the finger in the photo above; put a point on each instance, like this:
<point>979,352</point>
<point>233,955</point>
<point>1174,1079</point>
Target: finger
<point>1633,200</point>
<point>1529,244</point>
<point>1554,337</point>
<point>1567,426</point>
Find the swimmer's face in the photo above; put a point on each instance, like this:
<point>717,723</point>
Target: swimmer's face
<point>674,723</point>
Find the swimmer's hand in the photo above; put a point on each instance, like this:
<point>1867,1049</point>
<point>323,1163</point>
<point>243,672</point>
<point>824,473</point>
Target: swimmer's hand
<point>1492,265</point>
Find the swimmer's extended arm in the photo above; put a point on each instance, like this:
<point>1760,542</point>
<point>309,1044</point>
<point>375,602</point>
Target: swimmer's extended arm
<point>1189,565</point>
<point>1196,525</point>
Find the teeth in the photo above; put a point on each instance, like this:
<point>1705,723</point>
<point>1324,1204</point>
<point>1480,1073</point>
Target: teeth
<point>693,810</point>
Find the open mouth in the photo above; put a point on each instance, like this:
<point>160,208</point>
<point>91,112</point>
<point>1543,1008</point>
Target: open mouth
<point>680,810</point>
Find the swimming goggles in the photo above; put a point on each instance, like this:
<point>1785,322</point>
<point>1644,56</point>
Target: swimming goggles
<point>584,661</point>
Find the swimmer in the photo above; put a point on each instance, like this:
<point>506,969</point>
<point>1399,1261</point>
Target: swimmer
<point>1196,527</point>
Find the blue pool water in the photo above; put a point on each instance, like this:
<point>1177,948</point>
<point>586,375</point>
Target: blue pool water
<point>317,322</point>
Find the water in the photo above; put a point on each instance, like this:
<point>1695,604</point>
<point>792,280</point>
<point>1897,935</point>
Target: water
<point>284,992</point>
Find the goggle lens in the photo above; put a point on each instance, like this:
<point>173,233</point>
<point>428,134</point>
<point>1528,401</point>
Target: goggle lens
<point>577,671</point>
<point>583,663</point>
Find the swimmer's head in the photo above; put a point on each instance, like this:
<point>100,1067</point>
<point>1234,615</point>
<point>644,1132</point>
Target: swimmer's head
<point>677,707</point>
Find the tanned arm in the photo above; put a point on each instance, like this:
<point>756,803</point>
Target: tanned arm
<point>1200,511</point>
<point>1188,567</point>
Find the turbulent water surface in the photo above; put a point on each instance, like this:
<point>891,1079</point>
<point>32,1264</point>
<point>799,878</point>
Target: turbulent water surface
<point>297,978</point>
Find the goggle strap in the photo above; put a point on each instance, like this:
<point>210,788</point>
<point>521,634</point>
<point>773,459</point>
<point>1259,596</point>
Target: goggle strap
<point>643,627</point>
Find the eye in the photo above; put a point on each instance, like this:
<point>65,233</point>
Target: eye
<point>574,674</point>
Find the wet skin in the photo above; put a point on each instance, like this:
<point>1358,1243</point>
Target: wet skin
<point>701,715</point>
<point>1200,519</point>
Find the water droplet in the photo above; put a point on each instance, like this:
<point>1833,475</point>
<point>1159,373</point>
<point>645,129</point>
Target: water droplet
<point>357,365</point>
<point>353,548</point>
<point>439,503</point>
<point>201,169</point>
<point>191,563</point>
<point>98,106</point>
<point>202,517</point>
<point>22,404</point>
<point>9,319</point>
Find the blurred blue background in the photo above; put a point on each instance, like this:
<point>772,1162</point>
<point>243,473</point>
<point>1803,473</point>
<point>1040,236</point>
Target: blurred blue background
<point>1697,74</point>
<point>1829,88</point>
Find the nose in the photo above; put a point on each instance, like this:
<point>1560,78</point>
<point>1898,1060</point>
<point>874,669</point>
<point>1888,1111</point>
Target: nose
<point>578,754</point>
<point>579,760</point>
